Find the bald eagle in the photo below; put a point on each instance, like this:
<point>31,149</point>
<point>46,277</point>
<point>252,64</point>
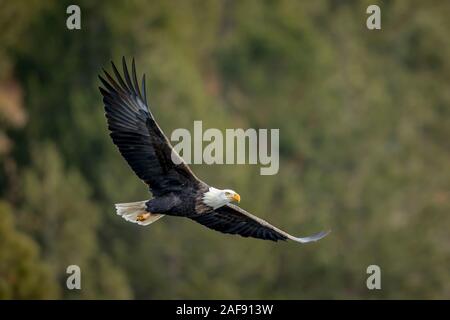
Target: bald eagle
<point>175,188</point>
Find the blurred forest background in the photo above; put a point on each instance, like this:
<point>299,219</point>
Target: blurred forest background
<point>364,120</point>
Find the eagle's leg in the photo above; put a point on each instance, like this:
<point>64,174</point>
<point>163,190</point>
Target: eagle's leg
<point>143,216</point>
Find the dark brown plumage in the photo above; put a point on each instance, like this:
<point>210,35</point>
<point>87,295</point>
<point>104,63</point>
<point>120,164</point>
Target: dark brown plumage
<point>176,190</point>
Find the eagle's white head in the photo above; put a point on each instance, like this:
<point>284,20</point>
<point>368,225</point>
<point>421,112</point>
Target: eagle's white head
<point>217,198</point>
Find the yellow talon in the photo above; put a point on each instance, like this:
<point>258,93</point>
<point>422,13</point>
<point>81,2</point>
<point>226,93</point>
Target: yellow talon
<point>143,216</point>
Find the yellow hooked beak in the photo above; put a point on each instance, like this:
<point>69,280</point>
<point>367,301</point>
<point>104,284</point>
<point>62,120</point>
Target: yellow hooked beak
<point>237,198</point>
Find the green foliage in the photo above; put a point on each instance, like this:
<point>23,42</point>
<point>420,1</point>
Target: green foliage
<point>364,119</point>
<point>23,274</point>
<point>61,216</point>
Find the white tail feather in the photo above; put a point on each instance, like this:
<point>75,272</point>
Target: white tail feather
<point>130,212</point>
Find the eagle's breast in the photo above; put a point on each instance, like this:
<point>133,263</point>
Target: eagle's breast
<point>200,206</point>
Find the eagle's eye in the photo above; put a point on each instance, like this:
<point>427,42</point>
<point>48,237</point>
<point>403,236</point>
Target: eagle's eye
<point>227,193</point>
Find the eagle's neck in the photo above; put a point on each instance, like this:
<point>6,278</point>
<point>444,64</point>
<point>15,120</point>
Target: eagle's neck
<point>214,198</point>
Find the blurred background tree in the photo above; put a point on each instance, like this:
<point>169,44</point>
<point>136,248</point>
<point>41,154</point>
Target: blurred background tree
<point>364,122</point>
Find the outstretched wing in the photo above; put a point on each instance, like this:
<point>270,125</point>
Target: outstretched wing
<point>234,220</point>
<point>137,135</point>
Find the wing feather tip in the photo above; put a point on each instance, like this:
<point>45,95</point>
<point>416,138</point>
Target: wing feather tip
<point>313,238</point>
